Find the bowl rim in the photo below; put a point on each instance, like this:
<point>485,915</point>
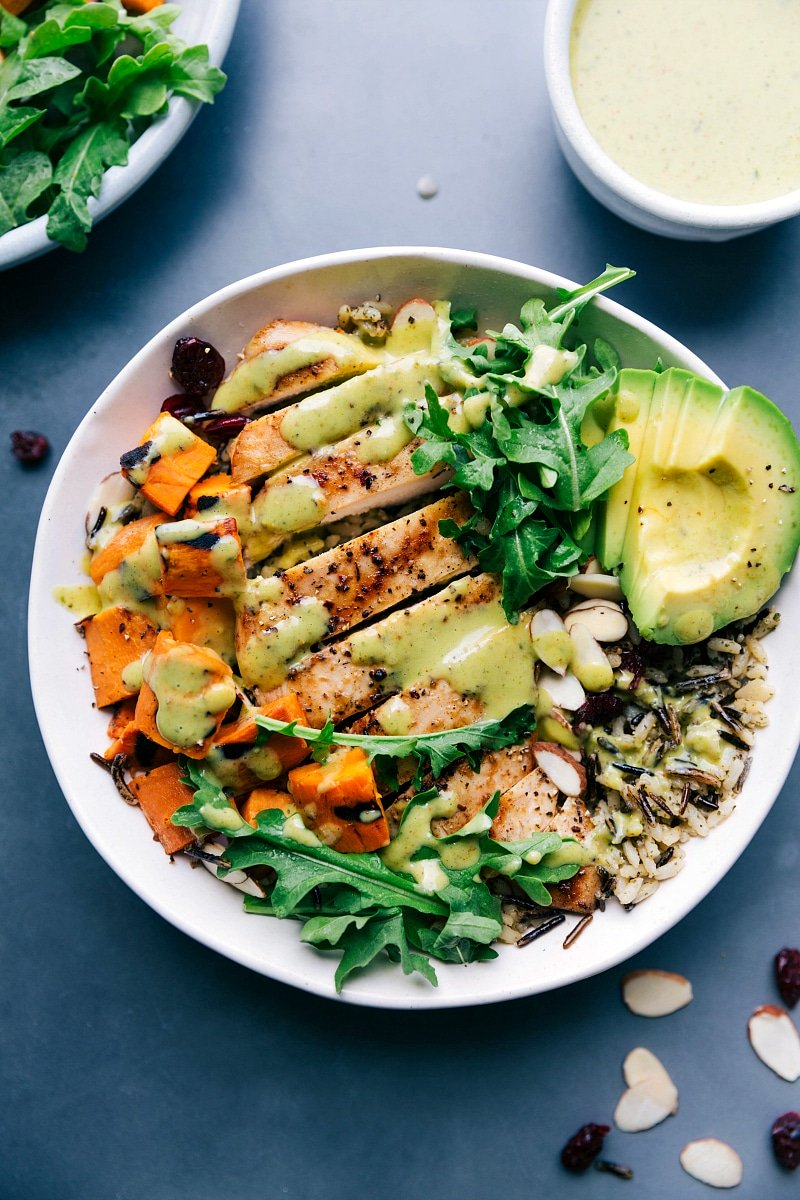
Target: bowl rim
<point>687,213</point>
<point>145,156</point>
<point>369,991</point>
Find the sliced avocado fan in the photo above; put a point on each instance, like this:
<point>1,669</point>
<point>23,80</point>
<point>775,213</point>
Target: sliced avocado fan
<point>703,526</point>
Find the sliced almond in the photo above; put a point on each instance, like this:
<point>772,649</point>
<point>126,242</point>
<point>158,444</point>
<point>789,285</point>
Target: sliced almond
<point>712,1162</point>
<point>589,661</point>
<point>564,690</point>
<point>551,642</point>
<point>604,619</point>
<point>560,768</point>
<point>641,1064</point>
<point>774,1037</point>
<point>237,879</point>
<point>655,993</point>
<point>646,1104</point>
<point>596,585</point>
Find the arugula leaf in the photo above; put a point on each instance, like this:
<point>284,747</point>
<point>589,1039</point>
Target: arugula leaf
<point>79,175</point>
<point>12,29</point>
<point>21,183</point>
<point>432,750</point>
<point>210,807</point>
<point>463,318</point>
<point>39,76</point>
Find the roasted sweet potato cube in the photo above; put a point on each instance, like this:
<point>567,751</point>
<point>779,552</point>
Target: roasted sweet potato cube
<point>196,675</point>
<point>161,793</point>
<point>201,559</point>
<point>263,798</point>
<point>218,496</point>
<point>340,802</point>
<point>579,894</point>
<point>168,462</point>
<point>289,750</point>
<point>115,638</point>
<point>205,621</point>
<point>125,542</point>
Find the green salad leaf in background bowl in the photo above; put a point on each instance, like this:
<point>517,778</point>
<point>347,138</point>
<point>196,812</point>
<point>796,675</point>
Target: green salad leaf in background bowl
<point>88,87</point>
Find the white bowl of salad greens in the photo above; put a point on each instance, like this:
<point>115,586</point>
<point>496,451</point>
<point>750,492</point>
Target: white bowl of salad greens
<point>462,935</point>
<point>92,100</point>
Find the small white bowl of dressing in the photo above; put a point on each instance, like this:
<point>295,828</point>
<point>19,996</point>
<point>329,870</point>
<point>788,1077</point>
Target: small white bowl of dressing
<point>680,117</point>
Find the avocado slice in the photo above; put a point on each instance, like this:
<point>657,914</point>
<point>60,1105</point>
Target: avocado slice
<point>627,406</point>
<point>710,519</point>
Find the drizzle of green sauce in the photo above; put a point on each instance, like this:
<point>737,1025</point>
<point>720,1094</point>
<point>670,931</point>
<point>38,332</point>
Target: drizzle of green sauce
<point>470,646</point>
<point>190,695</point>
<point>266,657</point>
<point>416,834</point>
<point>82,599</point>
<point>381,442</point>
<point>255,378</point>
<point>297,504</point>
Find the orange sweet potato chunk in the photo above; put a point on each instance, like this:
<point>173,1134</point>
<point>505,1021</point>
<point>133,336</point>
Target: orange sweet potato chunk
<point>206,496</point>
<point>160,793</point>
<point>205,621</point>
<point>126,541</point>
<point>334,799</point>
<point>147,703</point>
<point>263,798</point>
<point>169,479</point>
<point>115,638</point>
<point>189,568</point>
<point>290,750</point>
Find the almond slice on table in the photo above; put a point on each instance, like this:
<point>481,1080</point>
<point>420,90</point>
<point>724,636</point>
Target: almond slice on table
<point>560,768</point>
<point>712,1162</point>
<point>647,1103</point>
<point>641,1064</point>
<point>774,1037</point>
<point>652,993</point>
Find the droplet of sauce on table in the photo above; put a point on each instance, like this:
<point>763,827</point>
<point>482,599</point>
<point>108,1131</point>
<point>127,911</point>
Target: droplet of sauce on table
<point>427,187</point>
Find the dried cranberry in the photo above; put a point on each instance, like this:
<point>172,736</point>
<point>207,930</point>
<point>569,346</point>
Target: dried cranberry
<point>583,1147</point>
<point>29,447</point>
<point>181,406</point>
<point>598,709</point>
<point>197,366</point>
<point>787,973</point>
<point>222,426</point>
<point>633,661</point>
<point>786,1140</point>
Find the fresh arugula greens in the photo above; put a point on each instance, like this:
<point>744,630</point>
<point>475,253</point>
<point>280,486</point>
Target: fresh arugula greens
<point>532,480</point>
<point>73,99</point>
<point>432,751</point>
<point>363,908</point>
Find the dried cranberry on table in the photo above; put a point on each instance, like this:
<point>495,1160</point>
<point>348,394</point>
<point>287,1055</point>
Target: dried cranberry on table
<point>29,447</point>
<point>197,366</point>
<point>583,1147</point>
<point>786,1140</point>
<point>787,974</point>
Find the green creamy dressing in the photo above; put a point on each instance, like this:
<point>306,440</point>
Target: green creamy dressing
<point>297,504</point>
<point>255,378</point>
<point>415,834</point>
<point>698,100</point>
<point>190,696</point>
<point>231,504</point>
<point>328,416</point>
<point>217,631</point>
<point>265,658</point>
<point>260,760</point>
<point>383,441</point>
<point>82,599</point>
<point>170,439</point>
<point>471,647</point>
<point>135,583</point>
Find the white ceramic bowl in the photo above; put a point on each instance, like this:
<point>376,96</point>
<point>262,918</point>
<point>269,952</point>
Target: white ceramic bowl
<point>194,901</point>
<point>621,192</point>
<point>201,22</point>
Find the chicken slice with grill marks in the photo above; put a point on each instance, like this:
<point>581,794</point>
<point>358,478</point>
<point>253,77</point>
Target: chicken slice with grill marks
<point>360,578</point>
<point>350,676</point>
<point>329,486</point>
<point>328,416</point>
<point>286,359</point>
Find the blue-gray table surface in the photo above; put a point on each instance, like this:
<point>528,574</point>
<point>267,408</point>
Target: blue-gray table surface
<point>138,1065</point>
